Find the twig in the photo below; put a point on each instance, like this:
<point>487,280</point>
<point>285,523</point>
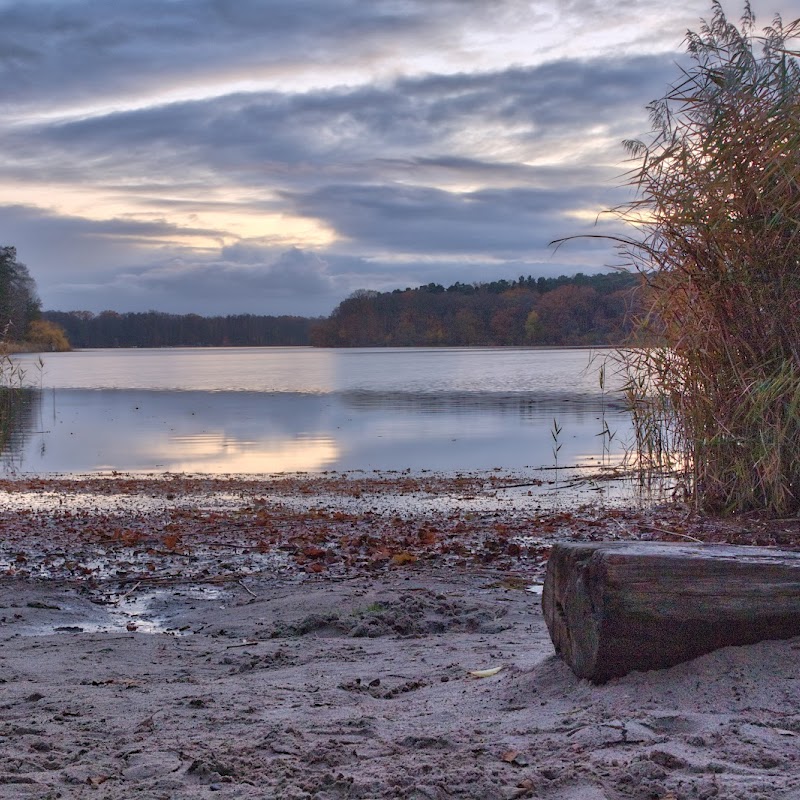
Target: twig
<point>242,644</point>
<point>675,533</point>
<point>249,591</point>
<point>130,591</point>
<point>516,485</point>
<point>572,485</point>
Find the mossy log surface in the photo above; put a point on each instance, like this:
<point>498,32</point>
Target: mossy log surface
<point>612,608</point>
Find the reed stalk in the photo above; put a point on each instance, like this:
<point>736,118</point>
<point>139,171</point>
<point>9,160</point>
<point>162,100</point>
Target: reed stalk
<point>716,221</point>
<point>14,395</point>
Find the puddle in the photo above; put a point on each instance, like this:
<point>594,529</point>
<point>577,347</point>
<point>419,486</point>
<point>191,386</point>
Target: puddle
<point>66,502</point>
<point>135,612</point>
<point>152,612</point>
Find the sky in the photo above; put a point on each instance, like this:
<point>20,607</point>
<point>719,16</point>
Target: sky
<point>273,156</point>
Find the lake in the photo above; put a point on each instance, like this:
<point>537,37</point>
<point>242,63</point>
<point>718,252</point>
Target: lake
<point>272,410</point>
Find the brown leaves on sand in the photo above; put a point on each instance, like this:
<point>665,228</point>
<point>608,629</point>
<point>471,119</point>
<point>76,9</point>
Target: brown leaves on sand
<point>261,526</point>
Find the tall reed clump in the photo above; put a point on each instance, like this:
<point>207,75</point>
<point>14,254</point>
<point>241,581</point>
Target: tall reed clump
<point>717,218</point>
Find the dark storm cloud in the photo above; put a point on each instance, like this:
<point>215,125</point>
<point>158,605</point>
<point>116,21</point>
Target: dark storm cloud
<point>293,282</point>
<point>282,140</point>
<point>349,122</point>
<point>95,49</point>
<point>377,164</point>
<point>498,222</point>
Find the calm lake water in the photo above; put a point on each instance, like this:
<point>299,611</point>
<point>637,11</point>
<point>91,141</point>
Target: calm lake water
<point>268,410</point>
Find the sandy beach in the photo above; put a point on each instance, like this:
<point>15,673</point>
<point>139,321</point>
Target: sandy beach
<point>315,636</point>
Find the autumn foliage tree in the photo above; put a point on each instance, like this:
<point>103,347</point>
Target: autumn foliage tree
<point>577,310</point>
<point>46,336</point>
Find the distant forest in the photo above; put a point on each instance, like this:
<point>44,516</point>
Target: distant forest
<point>577,310</point>
<point>157,329</point>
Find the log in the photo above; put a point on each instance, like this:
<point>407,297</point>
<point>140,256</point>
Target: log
<point>612,608</point>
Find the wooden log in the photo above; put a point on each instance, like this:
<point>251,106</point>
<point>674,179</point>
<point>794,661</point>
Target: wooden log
<point>612,608</point>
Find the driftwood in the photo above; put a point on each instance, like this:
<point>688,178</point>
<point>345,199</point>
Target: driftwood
<point>612,608</point>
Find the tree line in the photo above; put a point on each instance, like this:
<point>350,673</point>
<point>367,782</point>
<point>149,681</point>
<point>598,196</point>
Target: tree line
<point>577,310</point>
<point>159,329</point>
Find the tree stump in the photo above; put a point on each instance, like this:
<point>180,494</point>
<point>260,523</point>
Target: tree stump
<point>612,608</point>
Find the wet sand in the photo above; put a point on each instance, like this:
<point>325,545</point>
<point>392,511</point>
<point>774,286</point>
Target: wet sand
<point>308,637</point>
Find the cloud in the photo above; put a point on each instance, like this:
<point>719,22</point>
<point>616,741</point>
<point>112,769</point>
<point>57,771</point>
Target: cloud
<point>77,52</point>
<point>501,223</point>
<point>264,134</point>
<point>408,175</point>
<point>224,154</point>
<point>242,280</point>
<point>293,283</point>
<point>66,56</point>
<point>115,264</point>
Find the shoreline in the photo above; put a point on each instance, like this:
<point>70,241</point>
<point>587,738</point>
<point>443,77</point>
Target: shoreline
<point>313,637</point>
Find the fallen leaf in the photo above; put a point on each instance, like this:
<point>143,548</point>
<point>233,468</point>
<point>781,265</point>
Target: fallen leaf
<point>485,673</point>
<point>427,536</point>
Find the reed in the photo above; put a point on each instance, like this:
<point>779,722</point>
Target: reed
<point>716,219</point>
<point>15,395</point>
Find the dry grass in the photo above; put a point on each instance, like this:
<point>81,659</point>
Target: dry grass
<point>717,235</point>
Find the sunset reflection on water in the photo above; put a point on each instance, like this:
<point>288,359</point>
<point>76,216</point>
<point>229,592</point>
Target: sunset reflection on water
<point>306,410</point>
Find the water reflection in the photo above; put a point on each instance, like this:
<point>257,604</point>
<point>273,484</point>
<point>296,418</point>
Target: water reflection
<point>306,370</point>
<point>252,432</point>
<point>20,416</point>
<point>302,409</point>
<point>539,405</point>
<point>218,452</point>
